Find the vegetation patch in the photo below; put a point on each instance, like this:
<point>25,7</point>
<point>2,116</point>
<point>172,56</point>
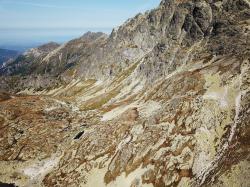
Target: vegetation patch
<point>99,101</point>
<point>126,73</point>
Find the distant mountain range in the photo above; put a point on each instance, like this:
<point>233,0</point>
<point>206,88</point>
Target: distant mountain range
<point>6,54</point>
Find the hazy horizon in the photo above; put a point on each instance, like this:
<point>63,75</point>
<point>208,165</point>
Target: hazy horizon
<point>27,23</point>
<point>22,39</point>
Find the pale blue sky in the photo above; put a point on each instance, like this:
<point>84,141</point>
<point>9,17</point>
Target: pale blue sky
<point>42,20</point>
<point>69,13</point>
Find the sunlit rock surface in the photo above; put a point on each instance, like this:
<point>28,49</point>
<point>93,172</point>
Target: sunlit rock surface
<point>163,101</point>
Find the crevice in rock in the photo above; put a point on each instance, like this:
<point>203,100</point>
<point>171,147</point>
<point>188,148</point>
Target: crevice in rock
<point>79,135</point>
<point>7,185</point>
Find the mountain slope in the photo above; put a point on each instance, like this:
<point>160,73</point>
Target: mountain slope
<point>163,101</point>
<point>6,55</point>
<point>23,64</point>
<point>41,67</point>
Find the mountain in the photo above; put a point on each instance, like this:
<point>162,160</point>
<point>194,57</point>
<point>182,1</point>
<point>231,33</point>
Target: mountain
<point>24,62</point>
<point>48,62</point>
<point>6,55</point>
<point>162,101</point>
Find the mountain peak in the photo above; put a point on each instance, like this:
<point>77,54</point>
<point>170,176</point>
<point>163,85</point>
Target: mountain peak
<point>48,47</point>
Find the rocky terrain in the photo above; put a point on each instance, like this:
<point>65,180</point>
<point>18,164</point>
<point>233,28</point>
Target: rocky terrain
<point>163,101</point>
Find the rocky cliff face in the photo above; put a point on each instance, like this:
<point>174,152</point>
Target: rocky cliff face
<point>163,101</point>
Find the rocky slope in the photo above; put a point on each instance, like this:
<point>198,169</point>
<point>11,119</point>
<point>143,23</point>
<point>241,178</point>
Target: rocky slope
<point>6,55</point>
<point>41,67</point>
<point>22,64</point>
<point>163,101</point>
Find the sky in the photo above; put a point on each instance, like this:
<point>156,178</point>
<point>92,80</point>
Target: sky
<point>26,22</point>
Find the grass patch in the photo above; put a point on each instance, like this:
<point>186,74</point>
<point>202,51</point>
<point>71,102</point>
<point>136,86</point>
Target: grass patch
<point>75,90</point>
<point>70,72</point>
<point>125,73</point>
<point>118,104</point>
<point>99,101</point>
<point>80,89</point>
